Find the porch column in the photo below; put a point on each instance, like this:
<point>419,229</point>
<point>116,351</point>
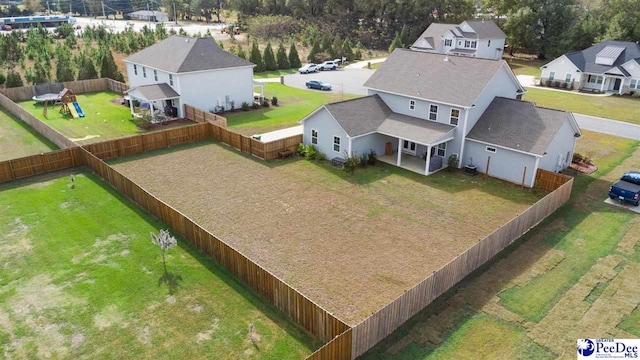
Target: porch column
<point>426,168</point>
<point>399,161</point>
<point>621,86</point>
<point>151,109</point>
<point>604,80</point>
<point>131,104</point>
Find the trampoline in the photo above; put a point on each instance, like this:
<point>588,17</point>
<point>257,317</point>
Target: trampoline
<point>47,98</point>
<point>48,92</point>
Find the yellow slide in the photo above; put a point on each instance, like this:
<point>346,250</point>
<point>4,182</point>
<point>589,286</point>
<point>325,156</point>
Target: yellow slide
<point>73,111</point>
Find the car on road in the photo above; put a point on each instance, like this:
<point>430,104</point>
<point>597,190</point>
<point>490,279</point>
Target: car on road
<point>309,68</point>
<point>317,84</point>
<point>627,189</point>
<point>328,65</point>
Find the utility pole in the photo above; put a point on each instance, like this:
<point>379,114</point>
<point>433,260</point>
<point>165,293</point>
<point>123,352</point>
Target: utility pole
<point>148,16</point>
<point>84,7</point>
<point>70,9</point>
<point>48,9</point>
<point>175,15</point>
<point>103,13</point>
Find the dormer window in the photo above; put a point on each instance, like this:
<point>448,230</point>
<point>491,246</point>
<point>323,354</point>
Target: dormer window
<point>609,55</point>
<point>412,104</point>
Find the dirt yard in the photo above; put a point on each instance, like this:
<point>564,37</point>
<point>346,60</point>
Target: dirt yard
<point>350,243</point>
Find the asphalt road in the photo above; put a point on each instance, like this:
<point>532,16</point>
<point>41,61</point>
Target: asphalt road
<point>608,126</point>
<point>346,81</point>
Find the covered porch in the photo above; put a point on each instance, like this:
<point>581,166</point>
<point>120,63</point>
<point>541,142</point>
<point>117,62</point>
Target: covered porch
<point>610,83</point>
<point>163,102</point>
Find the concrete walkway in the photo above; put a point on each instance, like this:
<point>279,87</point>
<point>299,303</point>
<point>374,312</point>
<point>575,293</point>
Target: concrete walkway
<point>281,134</point>
<point>532,82</point>
<point>363,64</point>
<point>608,126</point>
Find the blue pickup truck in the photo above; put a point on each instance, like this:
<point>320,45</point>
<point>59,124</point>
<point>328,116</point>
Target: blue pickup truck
<point>627,189</point>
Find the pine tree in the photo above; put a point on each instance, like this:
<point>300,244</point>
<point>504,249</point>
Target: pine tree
<point>241,52</point>
<point>14,79</point>
<point>395,43</point>
<point>269,59</point>
<point>347,50</point>
<point>87,69</point>
<point>325,43</point>
<point>283,61</point>
<point>256,58</point>
<point>64,65</point>
<point>357,55</point>
<point>39,74</point>
<point>108,67</point>
<point>315,49</point>
<point>404,36</point>
<point>294,58</point>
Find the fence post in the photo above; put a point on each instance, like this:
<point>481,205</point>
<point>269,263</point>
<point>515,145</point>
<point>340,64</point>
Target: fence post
<point>524,175</point>
<point>13,175</point>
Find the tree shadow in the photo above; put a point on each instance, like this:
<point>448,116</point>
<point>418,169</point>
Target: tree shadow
<point>172,280</point>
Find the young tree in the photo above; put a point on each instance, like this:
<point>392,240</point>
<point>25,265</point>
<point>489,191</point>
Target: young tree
<point>241,52</point>
<point>294,58</point>
<point>315,49</point>
<point>283,61</point>
<point>108,67</point>
<point>256,58</point>
<point>165,241</point>
<point>396,43</point>
<point>39,74</point>
<point>64,65</point>
<point>347,50</point>
<point>404,36</point>
<point>87,69</point>
<point>269,59</point>
<point>14,79</point>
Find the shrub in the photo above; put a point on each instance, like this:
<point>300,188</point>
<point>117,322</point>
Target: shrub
<point>364,160</point>
<point>265,102</point>
<point>274,101</point>
<point>564,85</point>
<point>301,148</point>
<point>452,162</point>
<point>245,106</point>
<point>255,106</point>
<point>556,84</point>
<point>310,152</point>
<point>372,158</point>
<point>350,165</point>
<point>319,156</point>
<point>546,83</point>
<point>3,79</point>
<point>635,94</point>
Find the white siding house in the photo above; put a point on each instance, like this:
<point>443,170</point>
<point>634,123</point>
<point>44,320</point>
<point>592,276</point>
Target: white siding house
<point>610,66</point>
<point>424,107</point>
<point>474,38</point>
<point>198,72</point>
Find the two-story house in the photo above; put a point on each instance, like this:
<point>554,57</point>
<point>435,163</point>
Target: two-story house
<point>182,70</point>
<point>424,107</point>
<point>474,38</point>
<point>610,66</point>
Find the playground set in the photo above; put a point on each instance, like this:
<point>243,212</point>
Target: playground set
<point>56,93</point>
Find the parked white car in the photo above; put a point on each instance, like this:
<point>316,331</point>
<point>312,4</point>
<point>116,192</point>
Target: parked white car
<point>327,65</point>
<point>309,68</point>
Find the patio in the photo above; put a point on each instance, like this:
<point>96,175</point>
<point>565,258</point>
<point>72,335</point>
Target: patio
<point>410,162</point>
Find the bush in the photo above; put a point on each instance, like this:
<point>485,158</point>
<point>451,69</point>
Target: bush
<point>350,164</point>
<point>3,79</point>
<point>255,106</point>
<point>564,85</point>
<point>546,83</point>
<point>265,102</point>
<point>372,158</point>
<point>364,160</point>
<point>635,94</point>
<point>245,106</point>
<point>452,162</point>
<point>556,84</point>
<point>319,156</point>
<point>310,152</point>
<point>274,101</point>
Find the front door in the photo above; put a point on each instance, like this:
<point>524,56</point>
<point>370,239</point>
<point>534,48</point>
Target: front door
<point>409,147</point>
<point>616,85</point>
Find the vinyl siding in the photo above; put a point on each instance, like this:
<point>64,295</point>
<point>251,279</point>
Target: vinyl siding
<point>505,164</point>
<point>562,144</point>
<point>327,127</point>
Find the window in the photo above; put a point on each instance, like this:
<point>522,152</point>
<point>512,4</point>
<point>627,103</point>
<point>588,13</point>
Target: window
<point>155,75</point>
<point>442,149</point>
<point>144,72</point>
<point>314,136</point>
<point>552,75</point>
<point>459,43</point>
<point>447,42</point>
<point>433,112</point>
<point>170,79</point>
<point>594,79</point>
<point>467,43</point>
<point>412,104</point>
<point>336,143</point>
<point>455,116</point>
<point>474,44</point>
<point>491,149</point>
<point>567,78</point>
<point>488,43</point>
<point>135,69</point>
<point>635,84</point>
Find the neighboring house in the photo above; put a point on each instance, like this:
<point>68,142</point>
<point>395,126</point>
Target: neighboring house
<point>424,107</point>
<point>474,38</point>
<point>182,70</point>
<point>148,15</point>
<point>611,66</point>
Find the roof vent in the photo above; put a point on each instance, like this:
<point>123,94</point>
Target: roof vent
<point>418,74</point>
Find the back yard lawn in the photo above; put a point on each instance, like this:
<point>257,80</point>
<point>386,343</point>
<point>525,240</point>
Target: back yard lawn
<point>293,105</point>
<point>18,139</point>
<point>521,66</point>
<point>349,243</point>
<point>612,107</point>
<point>574,276</point>
<point>103,118</point>
<point>80,278</point>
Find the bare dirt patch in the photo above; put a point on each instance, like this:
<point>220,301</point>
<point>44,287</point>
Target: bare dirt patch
<point>351,247</point>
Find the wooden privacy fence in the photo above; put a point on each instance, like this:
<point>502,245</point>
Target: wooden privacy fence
<point>547,180</point>
<point>312,317</point>
<point>45,130</point>
<point>382,323</point>
<point>40,164</point>
<point>116,86</point>
<point>146,142</point>
<point>338,348</point>
<point>79,87</point>
<point>200,116</point>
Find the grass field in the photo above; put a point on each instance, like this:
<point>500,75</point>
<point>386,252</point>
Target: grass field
<point>573,276</point>
<point>274,74</point>
<point>613,107</point>
<point>525,67</point>
<point>350,243</point>
<point>18,139</point>
<point>80,278</point>
<point>103,119</point>
<point>293,105</point>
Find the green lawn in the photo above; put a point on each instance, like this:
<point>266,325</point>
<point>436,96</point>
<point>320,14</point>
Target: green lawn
<point>613,107</point>
<point>81,279</point>
<point>17,139</point>
<point>103,119</point>
<point>273,74</point>
<point>525,67</point>
<point>293,105</point>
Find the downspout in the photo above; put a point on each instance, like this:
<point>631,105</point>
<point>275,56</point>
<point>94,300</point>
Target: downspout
<point>535,171</point>
<point>464,136</point>
<point>350,153</point>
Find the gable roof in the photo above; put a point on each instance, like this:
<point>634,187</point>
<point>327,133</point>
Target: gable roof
<point>519,125</point>
<point>585,60</point>
<point>432,34</point>
<point>370,114</point>
<point>154,92</point>
<point>181,54</point>
<point>454,80</point>
<point>486,29</point>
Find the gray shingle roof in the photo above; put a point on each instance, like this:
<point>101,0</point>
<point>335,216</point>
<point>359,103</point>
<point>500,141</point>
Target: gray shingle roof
<point>486,29</point>
<point>156,92</point>
<point>458,81</point>
<point>585,60</point>
<point>370,114</point>
<point>434,32</point>
<point>518,125</point>
<point>180,54</point>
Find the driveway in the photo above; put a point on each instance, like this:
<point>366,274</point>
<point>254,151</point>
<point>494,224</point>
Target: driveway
<point>347,81</point>
<point>608,126</point>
